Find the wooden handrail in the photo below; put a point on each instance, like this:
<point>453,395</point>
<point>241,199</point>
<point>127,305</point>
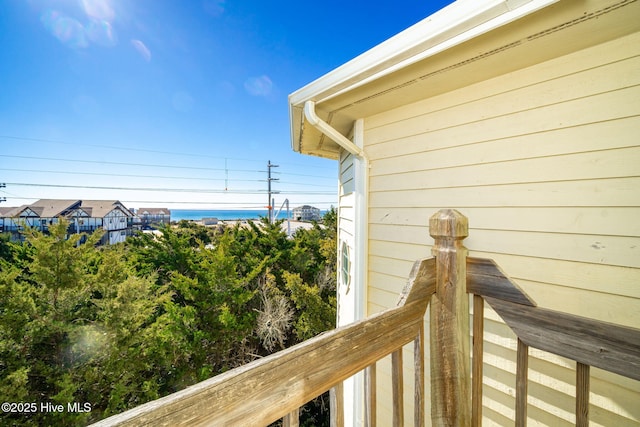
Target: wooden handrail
<point>604,345</point>
<point>588,342</point>
<point>268,389</point>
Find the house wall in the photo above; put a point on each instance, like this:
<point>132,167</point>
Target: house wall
<point>346,239</point>
<point>115,220</point>
<point>116,226</point>
<point>545,163</point>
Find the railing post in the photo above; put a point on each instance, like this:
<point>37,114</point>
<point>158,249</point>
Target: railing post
<point>449,322</point>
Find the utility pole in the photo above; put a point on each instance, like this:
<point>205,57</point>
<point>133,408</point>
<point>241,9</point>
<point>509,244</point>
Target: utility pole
<point>269,179</point>
<point>3,199</point>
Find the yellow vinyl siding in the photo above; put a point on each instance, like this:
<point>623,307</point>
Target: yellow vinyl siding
<point>533,83</point>
<point>545,163</point>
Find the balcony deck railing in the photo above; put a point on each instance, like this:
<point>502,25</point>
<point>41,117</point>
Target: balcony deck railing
<point>276,386</point>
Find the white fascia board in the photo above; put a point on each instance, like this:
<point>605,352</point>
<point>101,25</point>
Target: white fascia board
<point>455,24</point>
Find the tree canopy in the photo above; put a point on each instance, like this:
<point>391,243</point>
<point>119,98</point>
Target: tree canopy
<point>113,327</point>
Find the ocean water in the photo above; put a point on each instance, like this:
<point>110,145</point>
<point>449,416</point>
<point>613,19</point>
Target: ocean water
<point>222,214</point>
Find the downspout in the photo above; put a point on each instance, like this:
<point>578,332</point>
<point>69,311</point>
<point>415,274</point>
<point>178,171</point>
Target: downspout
<point>362,226</point>
<point>362,191</point>
<point>325,128</point>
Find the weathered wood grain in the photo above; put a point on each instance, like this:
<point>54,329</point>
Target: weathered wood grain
<point>370,396</point>
<point>421,283</point>
<point>418,372</point>
<point>522,383</point>
<point>449,322</point>
<point>397,380</point>
<point>292,419</point>
<point>485,278</point>
<point>604,345</point>
<point>336,405</point>
<point>582,395</point>
<point>267,389</point>
<point>477,361</point>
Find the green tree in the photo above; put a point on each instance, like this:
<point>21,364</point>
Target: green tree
<point>73,327</point>
<point>117,326</point>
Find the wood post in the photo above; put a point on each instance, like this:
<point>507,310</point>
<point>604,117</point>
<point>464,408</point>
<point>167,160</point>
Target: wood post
<point>292,419</point>
<point>522,383</point>
<point>418,372</point>
<point>582,395</point>
<point>336,399</point>
<point>478,361</point>
<point>370,419</point>
<point>449,322</point>
<point>398,388</point>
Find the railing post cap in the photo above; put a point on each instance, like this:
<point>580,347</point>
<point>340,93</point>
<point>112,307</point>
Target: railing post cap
<point>448,223</point>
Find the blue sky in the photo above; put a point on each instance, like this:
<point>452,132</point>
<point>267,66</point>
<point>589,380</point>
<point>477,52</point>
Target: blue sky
<point>168,95</point>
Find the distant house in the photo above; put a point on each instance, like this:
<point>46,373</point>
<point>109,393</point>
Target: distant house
<point>306,213</point>
<point>524,116</point>
<point>153,216</point>
<point>210,221</point>
<point>84,216</point>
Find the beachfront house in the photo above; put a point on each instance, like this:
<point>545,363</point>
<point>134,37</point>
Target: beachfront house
<point>306,213</point>
<point>524,116</point>
<point>150,217</point>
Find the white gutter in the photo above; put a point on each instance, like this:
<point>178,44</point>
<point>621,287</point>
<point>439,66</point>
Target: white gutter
<point>451,26</point>
<point>325,128</point>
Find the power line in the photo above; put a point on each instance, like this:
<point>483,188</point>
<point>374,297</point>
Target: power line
<point>309,185</point>
<point>309,176</point>
<point>226,179</point>
<point>143,150</point>
<point>151,165</point>
<point>111,147</point>
<point>129,175</point>
<point>103,162</point>
<point>177,190</point>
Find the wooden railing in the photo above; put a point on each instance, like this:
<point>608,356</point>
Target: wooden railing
<point>588,342</point>
<point>276,386</point>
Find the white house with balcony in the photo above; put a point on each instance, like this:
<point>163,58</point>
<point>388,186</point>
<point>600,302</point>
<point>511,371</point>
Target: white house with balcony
<point>306,213</point>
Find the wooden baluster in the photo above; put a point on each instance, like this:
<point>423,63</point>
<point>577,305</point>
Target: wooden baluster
<point>582,395</point>
<point>478,360</point>
<point>522,379</point>
<point>398,388</point>
<point>370,398</point>
<point>336,400</point>
<point>418,368</point>
<point>449,322</point>
<point>292,419</point>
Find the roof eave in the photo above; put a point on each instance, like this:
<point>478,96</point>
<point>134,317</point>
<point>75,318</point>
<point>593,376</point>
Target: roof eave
<point>449,27</point>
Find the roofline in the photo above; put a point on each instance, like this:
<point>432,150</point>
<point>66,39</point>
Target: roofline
<point>456,23</point>
<point>450,26</point>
